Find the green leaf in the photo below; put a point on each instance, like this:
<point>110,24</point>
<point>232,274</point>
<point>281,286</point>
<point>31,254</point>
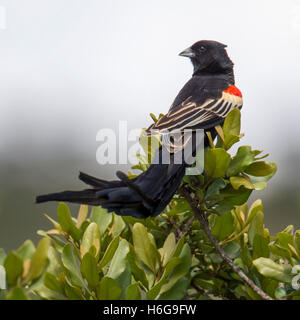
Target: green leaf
<point>91,237</point>
<point>133,292</point>
<point>13,265</point>
<point>109,253</point>
<point>136,269</point>
<point>181,269</point>
<point>246,257</point>
<point>216,162</point>
<point>102,218</point>
<point>153,117</point>
<point>234,197</point>
<point>271,269</point>
<point>243,158</point>
<point>284,239</point>
<point>279,251</point>
<point>26,251</point>
<point>232,123</point>
<point>17,293</point>
<point>73,293</point>
<point>118,225</point>
<point>232,249</point>
<point>143,247</point>
<point>119,261</point>
<point>70,263</point>
<point>82,215</point>
<point>108,289</point>
<point>52,283</point>
<point>223,226</point>
<point>255,207</point>
<point>177,292</point>
<point>260,169</point>
<point>55,265</point>
<point>260,247</point>
<point>48,294</point>
<point>178,206</point>
<point>168,248</point>
<point>259,185</point>
<point>280,293</point>
<point>154,291</point>
<point>39,259</point>
<point>230,140</point>
<point>66,222</point>
<point>215,187</point>
<point>89,269</point>
<point>256,227</point>
<point>297,242</point>
<point>237,182</point>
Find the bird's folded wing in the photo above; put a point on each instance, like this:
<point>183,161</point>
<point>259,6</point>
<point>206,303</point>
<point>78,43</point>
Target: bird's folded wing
<point>190,115</point>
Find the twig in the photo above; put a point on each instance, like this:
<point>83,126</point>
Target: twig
<point>176,228</point>
<point>183,232</point>
<point>205,226</point>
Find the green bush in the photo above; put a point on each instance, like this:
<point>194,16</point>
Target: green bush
<point>175,255</point>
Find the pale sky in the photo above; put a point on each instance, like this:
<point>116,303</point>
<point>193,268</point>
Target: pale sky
<point>72,67</point>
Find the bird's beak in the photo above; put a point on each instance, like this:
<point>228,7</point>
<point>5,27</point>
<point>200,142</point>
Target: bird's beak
<point>188,53</point>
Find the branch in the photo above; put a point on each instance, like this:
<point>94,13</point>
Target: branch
<point>205,226</point>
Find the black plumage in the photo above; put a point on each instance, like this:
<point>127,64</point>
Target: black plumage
<point>201,104</point>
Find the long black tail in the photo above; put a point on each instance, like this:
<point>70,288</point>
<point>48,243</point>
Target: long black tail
<point>146,195</point>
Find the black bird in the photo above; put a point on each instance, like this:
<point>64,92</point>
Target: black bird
<point>202,103</point>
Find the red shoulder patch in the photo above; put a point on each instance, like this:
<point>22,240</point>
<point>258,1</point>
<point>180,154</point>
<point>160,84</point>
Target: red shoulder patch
<point>233,90</point>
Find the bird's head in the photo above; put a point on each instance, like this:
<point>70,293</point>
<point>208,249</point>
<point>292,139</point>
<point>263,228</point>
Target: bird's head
<point>208,56</point>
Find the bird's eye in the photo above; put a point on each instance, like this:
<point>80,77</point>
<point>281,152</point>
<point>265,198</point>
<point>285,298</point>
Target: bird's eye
<point>202,49</point>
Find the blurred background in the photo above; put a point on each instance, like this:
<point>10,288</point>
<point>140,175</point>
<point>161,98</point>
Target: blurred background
<point>70,68</point>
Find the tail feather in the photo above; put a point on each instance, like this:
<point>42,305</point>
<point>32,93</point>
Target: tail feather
<point>146,195</point>
<point>87,196</point>
<point>99,183</point>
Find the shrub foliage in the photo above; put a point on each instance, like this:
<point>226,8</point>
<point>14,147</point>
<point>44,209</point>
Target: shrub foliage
<point>98,255</point>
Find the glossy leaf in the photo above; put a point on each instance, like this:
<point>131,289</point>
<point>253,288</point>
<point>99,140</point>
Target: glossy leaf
<point>168,248</point>
<point>27,250</point>
<point>260,247</point>
<point>119,261</point>
<point>143,246</point>
<point>216,162</point>
<point>39,259</point>
<point>271,269</point>
<point>108,289</point>
<point>237,182</point>
<point>133,292</point>
<point>181,269</point>
<point>82,215</point>
<point>71,264</point>
<point>223,226</point>
<point>232,123</point>
<point>240,161</point>
<point>17,293</point>
<point>13,265</point>
<point>52,283</point>
<point>89,269</point>
<point>66,222</point>
<point>102,218</point>
<point>256,226</point>
<point>109,253</point>
<point>91,237</point>
<point>260,169</point>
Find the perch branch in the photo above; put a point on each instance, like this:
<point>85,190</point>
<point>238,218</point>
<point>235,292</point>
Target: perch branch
<point>205,226</point>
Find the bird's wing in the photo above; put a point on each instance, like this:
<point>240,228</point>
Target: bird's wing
<point>191,115</point>
<point>206,115</point>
